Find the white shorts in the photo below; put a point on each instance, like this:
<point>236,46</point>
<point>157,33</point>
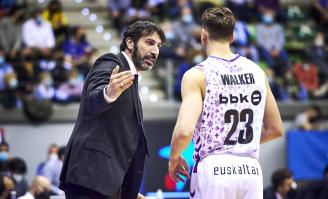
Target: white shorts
<point>227,177</point>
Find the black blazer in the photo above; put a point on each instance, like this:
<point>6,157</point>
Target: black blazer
<point>105,136</point>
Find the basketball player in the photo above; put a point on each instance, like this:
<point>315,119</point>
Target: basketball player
<point>228,109</point>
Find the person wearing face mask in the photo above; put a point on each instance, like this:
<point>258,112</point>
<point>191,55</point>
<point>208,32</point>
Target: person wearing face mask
<point>51,168</point>
<point>173,48</point>
<point>18,169</point>
<point>4,151</point>
<point>6,70</point>
<point>185,27</point>
<point>106,152</point>
<point>270,38</point>
<point>38,36</point>
<point>55,15</point>
<point>44,90</point>
<point>282,187</point>
<point>40,189</point>
<point>4,158</point>
<point>78,50</point>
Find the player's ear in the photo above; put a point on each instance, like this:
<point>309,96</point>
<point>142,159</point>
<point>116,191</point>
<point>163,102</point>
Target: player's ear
<point>204,36</point>
<point>232,38</point>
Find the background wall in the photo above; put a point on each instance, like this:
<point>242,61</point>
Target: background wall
<point>31,143</point>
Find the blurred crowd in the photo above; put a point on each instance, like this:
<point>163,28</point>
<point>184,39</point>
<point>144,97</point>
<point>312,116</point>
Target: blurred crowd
<point>45,58</point>
<point>283,186</point>
<point>13,170</point>
<point>42,56</point>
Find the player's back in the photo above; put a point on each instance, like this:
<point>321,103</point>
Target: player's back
<point>233,108</point>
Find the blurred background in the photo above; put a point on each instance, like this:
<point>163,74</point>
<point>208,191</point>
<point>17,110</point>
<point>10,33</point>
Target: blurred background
<point>48,46</point>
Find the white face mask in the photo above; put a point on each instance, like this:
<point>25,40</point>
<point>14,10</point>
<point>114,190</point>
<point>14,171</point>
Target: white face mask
<point>17,177</point>
<point>319,42</point>
<point>53,156</point>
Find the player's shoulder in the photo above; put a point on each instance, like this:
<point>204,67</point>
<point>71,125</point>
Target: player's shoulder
<point>244,61</point>
<point>194,75</point>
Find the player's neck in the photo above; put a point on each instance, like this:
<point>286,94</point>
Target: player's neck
<point>220,49</point>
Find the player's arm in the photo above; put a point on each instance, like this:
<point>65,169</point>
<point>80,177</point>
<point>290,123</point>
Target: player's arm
<point>190,109</point>
<point>272,124</point>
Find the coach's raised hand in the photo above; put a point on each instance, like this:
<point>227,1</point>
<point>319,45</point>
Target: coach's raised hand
<point>118,83</point>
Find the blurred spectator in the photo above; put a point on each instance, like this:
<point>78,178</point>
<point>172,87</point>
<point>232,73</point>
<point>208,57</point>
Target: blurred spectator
<point>157,8</point>
<point>38,36</point>
<point>40,189</point>
<point>6,186</point>
<point>187,30</point>
<point>117,10</point>
<point>175,7</point>
<point>27,72</point>
<point>317,53</point>
<point>55,15</point>
<point>4,158</point>
<point>10,33</point>
<point>52,167</point>
<point>194,57</point>
<point>18,170</point>
<point>265,6</point>
<point>9,97</point>
<point>4,151</point>
<point>6,70</point>
<point>173,48</point>
<point>281,188</point>
<point>242,43</point>
<point>45,89</point>
<point>270,38</point>
<point>288,88</point>
<point>78,51</point>
<point>241,9</point>
<point>51,154</point>
<point>307,74</point>
<point>137,11</point>
<point>307,119</point>
<point>71,90</point>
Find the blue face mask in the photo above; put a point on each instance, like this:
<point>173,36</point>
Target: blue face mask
<point>169,35</point>
<point>4,156</point>
<point>187,18</point>
<point>2,60</point>
<point>38,20</point>
<point>267,19</point>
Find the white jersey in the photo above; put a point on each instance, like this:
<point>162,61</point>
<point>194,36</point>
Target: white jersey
<point>233,108</point>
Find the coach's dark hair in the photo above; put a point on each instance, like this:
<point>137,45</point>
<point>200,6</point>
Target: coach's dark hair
<point>279,176</point>
<point>219,22</point>
<point>140,29</point>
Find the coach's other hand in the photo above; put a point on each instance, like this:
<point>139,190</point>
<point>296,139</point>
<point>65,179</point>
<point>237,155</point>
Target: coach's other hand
<point>140,196</point>
<point>178,167</point>
<point>118,83</point>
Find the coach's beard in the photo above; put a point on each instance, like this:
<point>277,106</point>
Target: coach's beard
<point>144,63</point>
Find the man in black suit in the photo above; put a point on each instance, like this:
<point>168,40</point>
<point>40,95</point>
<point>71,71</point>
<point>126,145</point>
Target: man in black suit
<point>281,188</point>
<point>106,152</point>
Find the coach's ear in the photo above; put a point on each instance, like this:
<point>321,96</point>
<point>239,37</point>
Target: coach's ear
<point>129,43</point>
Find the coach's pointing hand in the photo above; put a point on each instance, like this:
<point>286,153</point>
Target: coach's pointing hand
<point>118,83</point>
